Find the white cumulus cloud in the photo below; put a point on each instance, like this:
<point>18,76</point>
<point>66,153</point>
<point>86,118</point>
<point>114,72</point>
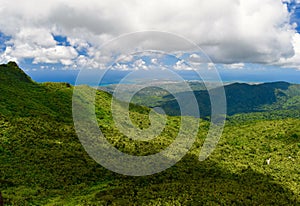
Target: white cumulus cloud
<point>235,66</point>
<point>229,31</point>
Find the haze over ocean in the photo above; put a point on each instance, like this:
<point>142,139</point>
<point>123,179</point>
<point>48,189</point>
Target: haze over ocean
<point>113,77</point>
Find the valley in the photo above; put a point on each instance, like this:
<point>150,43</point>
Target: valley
<point>44,163</point>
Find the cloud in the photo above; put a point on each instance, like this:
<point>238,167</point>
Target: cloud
<point>125,58</point>
<point>154,61</point>
<point>235,66</point>
<point>140,64</point>
<point>79,44</point>
<point>229,31</point>
<point>195,58</point>
<point>6,57</point>
<point>35,36</point>
<point>182,65</point>
<point>293,62</point>
<point>122,67</point>
<point>57,54</point>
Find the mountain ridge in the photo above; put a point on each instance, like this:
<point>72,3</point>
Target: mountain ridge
<point>12,70</point>
<point>43,162</point>
<point>240,98</point>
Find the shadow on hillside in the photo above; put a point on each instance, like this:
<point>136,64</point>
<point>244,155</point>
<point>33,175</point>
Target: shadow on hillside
<point>191,182</point>
<point>240,97</point>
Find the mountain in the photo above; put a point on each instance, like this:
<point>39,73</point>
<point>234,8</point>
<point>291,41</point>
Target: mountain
<point>245,98</point>
<point>11,73</point>
<point>43,162</point>
<point>241,98</point>
<point>20,96</point>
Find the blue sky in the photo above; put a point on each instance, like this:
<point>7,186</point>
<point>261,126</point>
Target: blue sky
<point>294,9</point>
<point>248,41</point>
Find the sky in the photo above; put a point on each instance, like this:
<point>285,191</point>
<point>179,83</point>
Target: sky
<point>246,40</point>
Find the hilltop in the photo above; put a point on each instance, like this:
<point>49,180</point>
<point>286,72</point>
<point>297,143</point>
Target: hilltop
<point>274,99</point>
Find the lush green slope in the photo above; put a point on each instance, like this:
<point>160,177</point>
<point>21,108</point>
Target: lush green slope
<point>43,163</point>
<point>241,98</point>
<point>22,97</point>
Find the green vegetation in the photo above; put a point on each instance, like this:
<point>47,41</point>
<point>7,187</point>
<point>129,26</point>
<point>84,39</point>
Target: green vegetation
<point>277,98</point>
<point>43,163</point>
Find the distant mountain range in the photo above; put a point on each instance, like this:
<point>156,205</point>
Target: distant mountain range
<point>241,97</point>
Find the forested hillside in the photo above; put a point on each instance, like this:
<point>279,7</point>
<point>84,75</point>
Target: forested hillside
<point>43,163</point>
<point>276,97</point>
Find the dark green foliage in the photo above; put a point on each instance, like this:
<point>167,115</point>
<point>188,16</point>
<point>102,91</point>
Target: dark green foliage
<point>22,97</point>
<point>275,98</point>
<point>43,163</point>
<point>243,98</point>
<point>12,74</point>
